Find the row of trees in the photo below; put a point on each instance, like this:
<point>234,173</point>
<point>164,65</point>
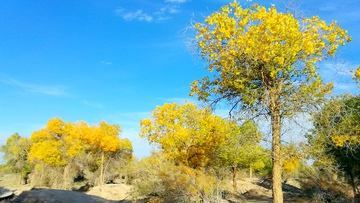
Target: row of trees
<point>200,147</point>
<point>191,141</point>
<point>200,140</point>
<point>70,149</point>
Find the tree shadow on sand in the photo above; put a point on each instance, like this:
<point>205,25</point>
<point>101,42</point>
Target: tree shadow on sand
<point>57,196</point>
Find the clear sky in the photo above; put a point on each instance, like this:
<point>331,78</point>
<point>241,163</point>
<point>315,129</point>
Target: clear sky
<point>116,60</point>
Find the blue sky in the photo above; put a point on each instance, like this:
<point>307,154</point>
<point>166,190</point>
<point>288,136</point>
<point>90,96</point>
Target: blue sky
<point>116,60</point>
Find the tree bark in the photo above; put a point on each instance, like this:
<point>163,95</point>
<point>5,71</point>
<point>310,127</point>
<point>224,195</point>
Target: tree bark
<point>277,192</point>
<point>234,178</point>
<point>66,183</point>
<point>101,178</point>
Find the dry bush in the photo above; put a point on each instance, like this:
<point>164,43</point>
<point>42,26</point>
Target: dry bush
<point>158,178</point>
<point>324,186</point>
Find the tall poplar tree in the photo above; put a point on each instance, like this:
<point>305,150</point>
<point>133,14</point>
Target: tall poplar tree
<point>265,61</point>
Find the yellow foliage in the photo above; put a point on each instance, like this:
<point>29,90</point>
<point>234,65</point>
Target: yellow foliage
<point>255,48</point>
<point>185,134</point>
<point>125,144</point>
<point>48,144</point>
<point>40,135</point>
<point>48,152</point>
<point>357,73</point>
<point>59,141</point>
<point>356,76</point>
<point>104,137</point>
<point>340,140</point>
<point>290,164</point>
<point>56,127</point>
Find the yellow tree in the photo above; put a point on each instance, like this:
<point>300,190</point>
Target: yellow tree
<point>49,147</point>
<point>60,143</point>
<point>15,155</point>
<point>187,135</point>
<point>265,61</point>
<point>104,139</point>
<point>47,142</point>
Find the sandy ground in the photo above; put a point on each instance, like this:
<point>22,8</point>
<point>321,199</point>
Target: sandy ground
<point>249,190</point>
<point>99,194</point>
<point>112,191</point>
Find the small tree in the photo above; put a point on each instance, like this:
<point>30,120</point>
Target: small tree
<point>242,150</point>
<point>265,61</point>
<point>16,152</point>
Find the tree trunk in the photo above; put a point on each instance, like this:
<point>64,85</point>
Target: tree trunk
<point>101,178</point>
<point>66,183</point>
<point>277,192</point>
<point>20,179</point>
<point>234,178</point>
<point>353,184</point>
<point>250,171</point>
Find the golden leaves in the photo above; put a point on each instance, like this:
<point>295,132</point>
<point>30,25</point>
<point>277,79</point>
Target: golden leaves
<point>290,164</point>
<point>356,76</point>
<point>60,141</point>
<point>271,43</point>
<point>56,126</point>
<point>186,134</point>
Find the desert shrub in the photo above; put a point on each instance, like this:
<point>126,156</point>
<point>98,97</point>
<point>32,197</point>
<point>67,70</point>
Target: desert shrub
<point>175,183</point>
<point>323,186</point>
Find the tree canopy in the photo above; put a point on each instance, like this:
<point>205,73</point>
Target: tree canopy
<point>186,134</point>
<point>60,143</point>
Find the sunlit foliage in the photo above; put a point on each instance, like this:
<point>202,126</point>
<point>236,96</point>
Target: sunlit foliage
<point>16,152</point>
<point>59,144</point>
<point>356,76</point>
<point>292,157</point>
<point>186,134</point>
<point>48,144</point>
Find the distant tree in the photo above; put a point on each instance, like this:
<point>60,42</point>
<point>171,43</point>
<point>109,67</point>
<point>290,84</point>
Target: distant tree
<point>65,145</point>
<point>293,159</point>
<point>242,150</point>
<point>104,140</point>
<point>16,152</point>
<point>265,61</point>
<point>185,134</point>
